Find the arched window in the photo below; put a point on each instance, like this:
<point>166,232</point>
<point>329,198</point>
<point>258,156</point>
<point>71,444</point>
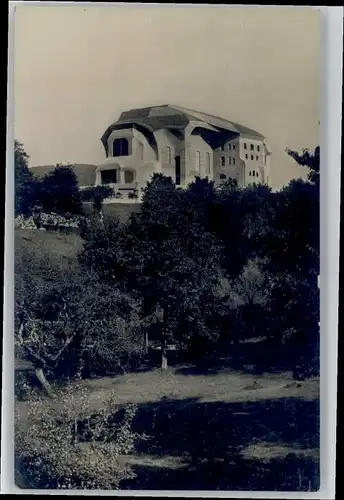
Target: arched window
<point>223,176</point>
<point>198,161</point>
<point>168,155</point>
<point>250,173</point>
<point>207,163</point>
<point>120,147</point>
<point>128,176</point>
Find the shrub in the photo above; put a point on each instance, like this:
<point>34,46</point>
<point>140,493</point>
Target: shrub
<point>49,453</point>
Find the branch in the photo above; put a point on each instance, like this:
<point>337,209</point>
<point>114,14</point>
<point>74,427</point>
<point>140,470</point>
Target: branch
<point>22,343</point>
<point>60,351</point>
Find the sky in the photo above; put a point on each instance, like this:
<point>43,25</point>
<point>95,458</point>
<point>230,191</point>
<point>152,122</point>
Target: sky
<point>78,67</point>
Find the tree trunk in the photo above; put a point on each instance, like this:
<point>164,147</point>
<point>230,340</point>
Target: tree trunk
<point>163,359</point>
<point>163,355</point>
<point>45,384</point>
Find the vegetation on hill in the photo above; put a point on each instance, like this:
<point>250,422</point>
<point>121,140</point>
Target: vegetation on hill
<point>194,276</point>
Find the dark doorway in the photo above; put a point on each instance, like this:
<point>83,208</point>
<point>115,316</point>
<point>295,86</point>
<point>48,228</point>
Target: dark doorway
<point>177,167</point>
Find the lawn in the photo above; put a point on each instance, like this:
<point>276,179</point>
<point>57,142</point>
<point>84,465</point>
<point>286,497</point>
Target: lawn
<point>228,430</point>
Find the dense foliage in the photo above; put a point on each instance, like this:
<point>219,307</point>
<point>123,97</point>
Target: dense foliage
<point>204,268</point>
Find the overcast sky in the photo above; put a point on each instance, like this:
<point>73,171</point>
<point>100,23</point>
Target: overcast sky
<point>77,68</point>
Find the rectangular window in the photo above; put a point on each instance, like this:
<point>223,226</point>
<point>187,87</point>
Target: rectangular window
<point>108,176</point>
<point>229,147</point>
<point>245,145</point>
<point>120,147</point>
<point>257,158</point>
<point>252,157</point>
<point>223,160</point>
<point>258,148</point>
<point>246,156</point>
<point>222,148</point>
<point>252,147</point>
<point>229,161</point>
<point>233,146</point>
<point>233,161</point>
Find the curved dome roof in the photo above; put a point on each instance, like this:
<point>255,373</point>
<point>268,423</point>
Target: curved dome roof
<point>169,116</point>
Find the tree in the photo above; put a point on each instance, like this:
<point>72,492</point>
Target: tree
<point>59,191</point>
<point>25,186</point>
<point>292,260</point>
<point>166,258</point>
<point>65,318</point>
<point>308,160</point>
<point>97,195</point>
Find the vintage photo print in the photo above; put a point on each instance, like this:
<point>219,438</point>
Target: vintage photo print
<point>166,165</point>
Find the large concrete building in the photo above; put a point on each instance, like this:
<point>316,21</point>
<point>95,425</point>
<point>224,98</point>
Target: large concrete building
<point>180,143</point>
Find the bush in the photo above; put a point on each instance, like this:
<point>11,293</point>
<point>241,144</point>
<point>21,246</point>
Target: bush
<point>49,453</point>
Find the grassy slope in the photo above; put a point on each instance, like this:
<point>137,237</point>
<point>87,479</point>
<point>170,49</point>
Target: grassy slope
<point>120,210</point>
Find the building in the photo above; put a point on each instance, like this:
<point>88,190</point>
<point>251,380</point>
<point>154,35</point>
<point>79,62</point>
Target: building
<point>179,143</point>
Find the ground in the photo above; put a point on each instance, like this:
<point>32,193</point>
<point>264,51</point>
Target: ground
<point>217,431</point>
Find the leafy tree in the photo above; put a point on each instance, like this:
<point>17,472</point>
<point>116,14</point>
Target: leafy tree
<point>292,261</point>
<point>65,318</point>
<point>308,160</point>
<point>59,191</point>
<point>166,258</point>
<point>97,195</point>
<point>25,186</point>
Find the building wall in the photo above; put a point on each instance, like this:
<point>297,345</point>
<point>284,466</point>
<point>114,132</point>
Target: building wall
<point>254,159</point>
<point>166,139</point>
<point>196,151</point>
<point>138,143</point>
<point>227,161</point>
<point>231,160</point>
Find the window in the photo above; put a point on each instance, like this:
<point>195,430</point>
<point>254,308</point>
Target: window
<point>245,145</point>
<point>257,158</point>
<point>207,163</point>
<point>258,148</point>
<point>233,146</point>
<point>120,147</point>
<point>168,154</point>
<point>128,176</point>
<point>108,176</point>
<point>222,176</point>
<point>252,157</point>
<point>250,173</point>
<point>246,156</point>
<point>229,147</point>
<point>252,147</point>
<point>198,161</point>
<point>233,161</point>
<point>223,161</point>
<point>222,148</point>
<point>229,161</point>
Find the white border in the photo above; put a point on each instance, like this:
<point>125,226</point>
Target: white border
<point>331,94</point>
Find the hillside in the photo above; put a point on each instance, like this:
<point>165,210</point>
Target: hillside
<point>121,210</point>
<point>60,247</point>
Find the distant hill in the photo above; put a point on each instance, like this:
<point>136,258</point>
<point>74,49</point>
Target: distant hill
<point>86,174</point>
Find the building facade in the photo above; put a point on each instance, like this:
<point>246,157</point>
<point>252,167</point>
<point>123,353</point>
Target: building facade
<point>179,143</point>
